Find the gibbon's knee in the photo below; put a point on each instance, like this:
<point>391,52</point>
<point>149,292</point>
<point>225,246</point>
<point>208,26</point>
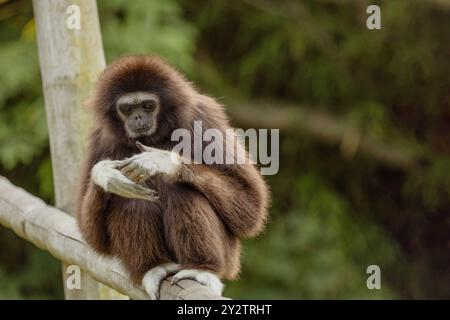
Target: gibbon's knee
<point>137,236</point>
<point>194,233</point>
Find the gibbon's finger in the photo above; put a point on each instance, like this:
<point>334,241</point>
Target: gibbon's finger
<point>119,181</point>
<point>128,169</point>
<point>115,163</point>
<point>143,193</point>
<point>132,187</point>
<point>136,194</point>
<point>141,179</point>
<point>121,175</point>
<point>125,162</point>
<point>138,173</point>
<point>144,148</point>
<point>134,169</point>
<point>107,164</point>
<point>136,191</point>
<point>138,179</point>
<point>117,187</point>
<point>129,189</point>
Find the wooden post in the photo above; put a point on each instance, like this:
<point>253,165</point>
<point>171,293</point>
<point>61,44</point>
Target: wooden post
<point>71,59</point>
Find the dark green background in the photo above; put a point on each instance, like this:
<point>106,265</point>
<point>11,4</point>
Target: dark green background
<point>333,212</point>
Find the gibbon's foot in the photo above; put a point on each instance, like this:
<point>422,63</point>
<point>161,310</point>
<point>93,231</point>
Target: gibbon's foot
<point>152,279</point>
<point>204,277</point>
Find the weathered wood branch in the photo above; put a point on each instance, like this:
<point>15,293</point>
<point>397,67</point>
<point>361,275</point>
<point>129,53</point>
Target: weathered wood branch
<point>52,230</point>
<point>328,129</point>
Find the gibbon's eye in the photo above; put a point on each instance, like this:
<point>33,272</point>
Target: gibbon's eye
<point>125,109</point>
<point>149,106</point>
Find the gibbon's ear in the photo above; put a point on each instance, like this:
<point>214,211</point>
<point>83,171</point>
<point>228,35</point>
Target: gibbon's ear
<point>144,148</point>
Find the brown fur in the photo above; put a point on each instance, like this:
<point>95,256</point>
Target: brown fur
<point>203,210</point>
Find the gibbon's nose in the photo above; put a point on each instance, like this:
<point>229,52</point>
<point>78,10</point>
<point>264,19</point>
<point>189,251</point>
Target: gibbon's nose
<point>137,117</point>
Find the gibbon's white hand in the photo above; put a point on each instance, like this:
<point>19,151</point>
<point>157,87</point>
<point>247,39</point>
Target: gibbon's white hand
<point>150,162</point>
<point>106,175</point>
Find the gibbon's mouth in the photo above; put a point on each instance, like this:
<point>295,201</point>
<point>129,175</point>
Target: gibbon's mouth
<point>141,130</point>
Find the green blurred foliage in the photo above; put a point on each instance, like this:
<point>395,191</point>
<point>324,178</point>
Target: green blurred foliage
<point>331,216</point>
<point>316,251</point>
<point>132,27</point>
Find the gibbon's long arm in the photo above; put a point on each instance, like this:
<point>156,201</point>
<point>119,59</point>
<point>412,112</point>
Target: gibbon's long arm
<point>91,205</point>
<point>100,180</point>
<point>238,195</point>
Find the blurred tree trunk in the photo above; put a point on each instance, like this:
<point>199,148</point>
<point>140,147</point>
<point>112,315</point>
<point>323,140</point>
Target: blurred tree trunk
<point>71,59</point>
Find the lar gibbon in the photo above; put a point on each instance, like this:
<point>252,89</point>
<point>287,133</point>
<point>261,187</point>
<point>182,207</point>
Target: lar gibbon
<point>161,216</point>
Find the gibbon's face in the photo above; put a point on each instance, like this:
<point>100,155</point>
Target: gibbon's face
<point>138,112</point>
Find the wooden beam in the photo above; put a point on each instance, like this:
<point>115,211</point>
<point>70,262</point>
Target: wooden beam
<point>398,153</point>
<point>71,60</point>
<point>56,232</point>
